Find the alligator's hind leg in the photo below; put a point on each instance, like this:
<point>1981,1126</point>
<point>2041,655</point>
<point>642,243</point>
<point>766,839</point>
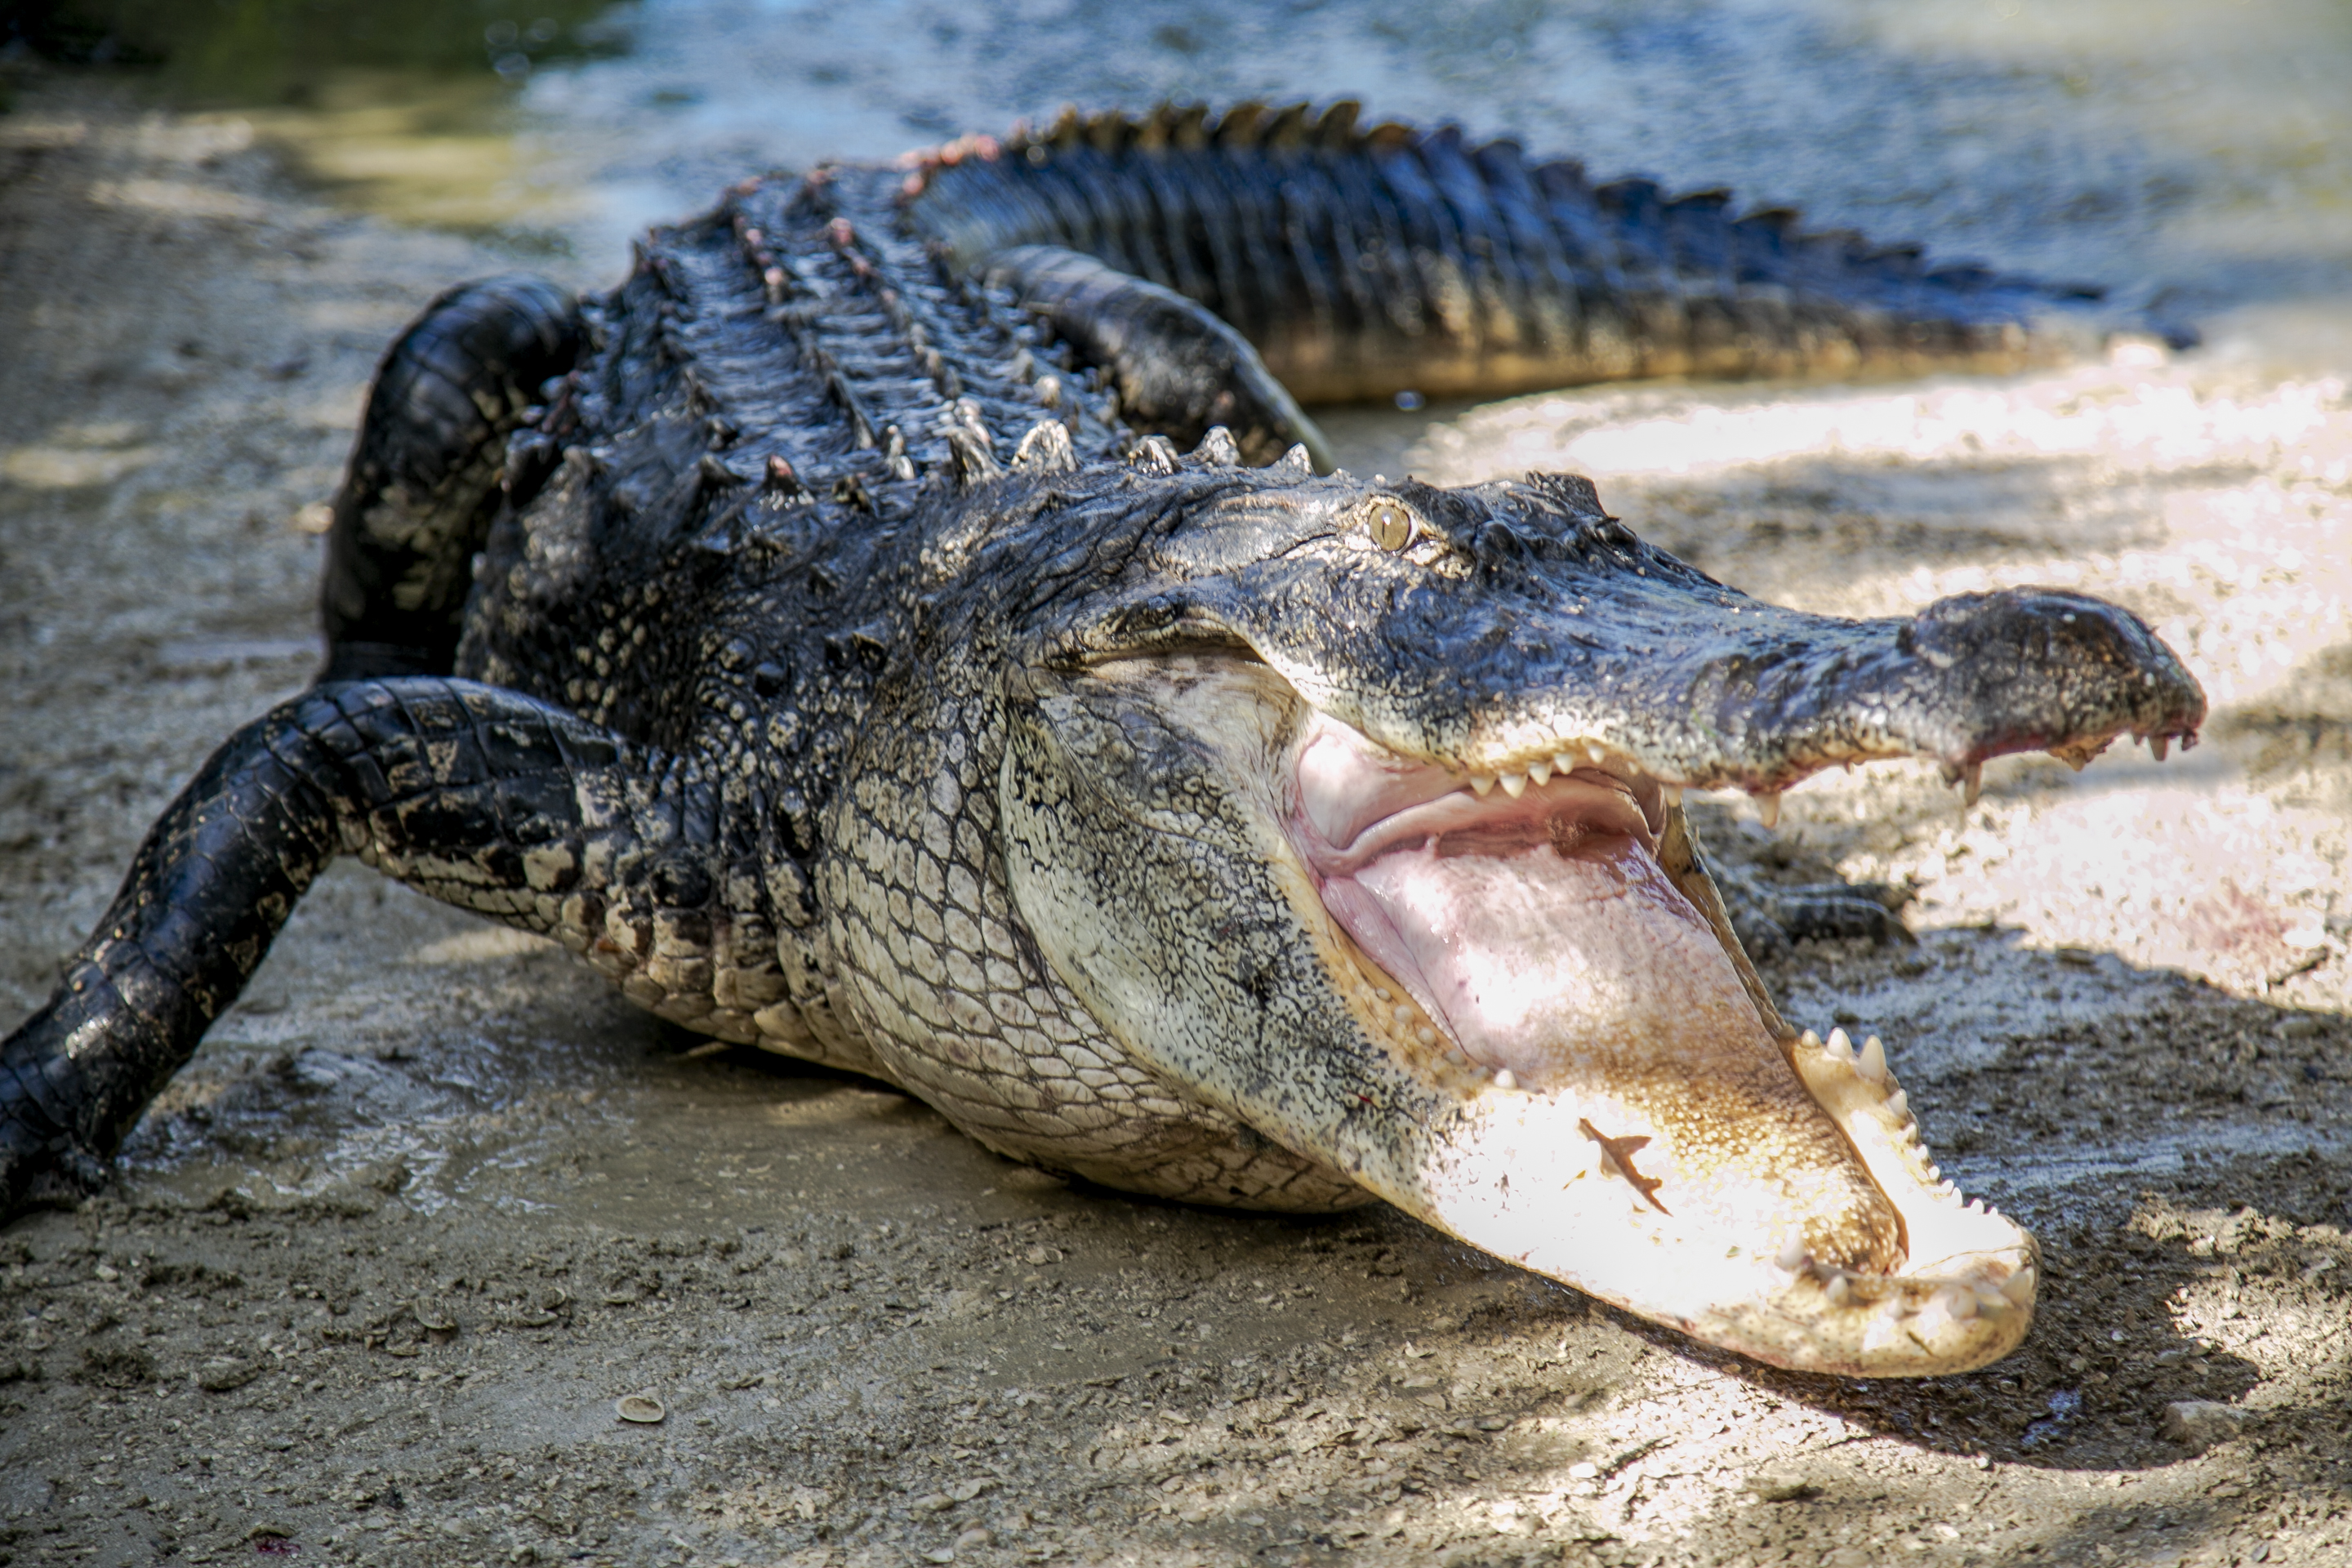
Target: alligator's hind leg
<point>423,479</point>
<point>477,797</point>
<point>1179,368</point>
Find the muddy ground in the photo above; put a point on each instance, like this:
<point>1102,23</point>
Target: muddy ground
<point>432,1200</point>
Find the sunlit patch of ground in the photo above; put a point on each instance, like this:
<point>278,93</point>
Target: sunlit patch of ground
<point>420,150</point>
<point>2128,978</point>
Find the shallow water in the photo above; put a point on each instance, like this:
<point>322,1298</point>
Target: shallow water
<point>2189,152</point>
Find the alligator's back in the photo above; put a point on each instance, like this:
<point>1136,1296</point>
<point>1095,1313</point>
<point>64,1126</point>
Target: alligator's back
<point>1364,262</point>
<point>758,416</point>
<point>781,382</point>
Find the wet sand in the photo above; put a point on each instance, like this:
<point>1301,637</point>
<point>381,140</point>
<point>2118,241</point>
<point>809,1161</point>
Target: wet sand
<point>432,1199</point>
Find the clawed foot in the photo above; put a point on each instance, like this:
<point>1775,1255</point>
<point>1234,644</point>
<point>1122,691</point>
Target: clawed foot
<point>42,1164</point>
<point>37,1172</point>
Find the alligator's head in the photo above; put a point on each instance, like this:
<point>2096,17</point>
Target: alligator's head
<point>1356,808</point>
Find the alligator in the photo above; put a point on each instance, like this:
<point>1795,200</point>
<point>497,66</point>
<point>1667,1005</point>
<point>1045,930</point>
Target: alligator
<point>911,625</point>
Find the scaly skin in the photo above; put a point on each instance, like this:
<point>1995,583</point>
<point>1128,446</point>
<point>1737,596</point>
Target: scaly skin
<point>843,673</point>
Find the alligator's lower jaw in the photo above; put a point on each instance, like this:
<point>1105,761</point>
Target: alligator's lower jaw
<point>1519,1175</point>
<point>1616,1113</point>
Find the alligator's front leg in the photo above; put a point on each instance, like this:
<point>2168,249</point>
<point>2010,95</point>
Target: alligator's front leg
<point>474,796</point>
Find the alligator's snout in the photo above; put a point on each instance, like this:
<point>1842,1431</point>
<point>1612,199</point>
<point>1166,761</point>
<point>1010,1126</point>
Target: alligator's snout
<point>1573,638</point>
<point>2037,669</point>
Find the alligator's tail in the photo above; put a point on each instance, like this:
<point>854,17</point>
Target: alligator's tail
<point>1367,262</point>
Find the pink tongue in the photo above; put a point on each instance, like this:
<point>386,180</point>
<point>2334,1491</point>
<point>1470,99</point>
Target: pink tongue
<point>1541,958</point>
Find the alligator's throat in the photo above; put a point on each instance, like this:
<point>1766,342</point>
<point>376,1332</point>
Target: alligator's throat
<point>1545,942</point>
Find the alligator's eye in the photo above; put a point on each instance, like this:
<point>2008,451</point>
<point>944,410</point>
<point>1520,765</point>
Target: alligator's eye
<point>1390,523</point>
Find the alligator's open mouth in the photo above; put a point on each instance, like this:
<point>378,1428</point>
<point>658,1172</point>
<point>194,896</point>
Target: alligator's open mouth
<point>1526,1016</point>
<point>1629,1115</point>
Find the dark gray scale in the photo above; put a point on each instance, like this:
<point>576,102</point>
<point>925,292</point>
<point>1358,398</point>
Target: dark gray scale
<point>1553,288</point>
<point>1500,279</point>
<point>1198,217</point>
<point>1339,228</point>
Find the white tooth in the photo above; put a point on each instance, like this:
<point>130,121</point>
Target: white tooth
<point>1898,1106</point>
<point>1425,1035</point>
<point>1383,994</point>
<point>1839,1292</point>
<point>1840,1048</point>
<point>1959,1302</point>
<point>1541,773</point>
<point>1514,785</point>
<point>1992,1303</point>
<point>1402,1014</point>
<point>1767,807</point>
<point>1873,1065</point>
<point>1562,762</point>
<point>1597,752</point>
<point>1506,1079</point>
<point>1809,1040</point>
<point>1481,783</point>
<point>1674,794</point>
<point>1794,1253</point>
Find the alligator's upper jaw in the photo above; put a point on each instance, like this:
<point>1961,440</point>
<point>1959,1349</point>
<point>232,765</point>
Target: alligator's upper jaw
<point>1615,1110</point>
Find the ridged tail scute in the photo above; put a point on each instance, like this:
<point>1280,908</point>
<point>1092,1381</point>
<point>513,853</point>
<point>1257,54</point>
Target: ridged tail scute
<point>1362,262</point>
